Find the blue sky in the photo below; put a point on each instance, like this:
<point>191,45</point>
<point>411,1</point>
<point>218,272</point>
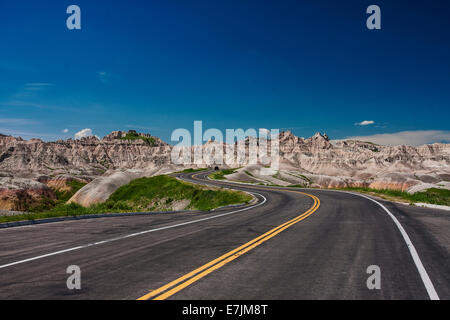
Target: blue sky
<point>155,66</point>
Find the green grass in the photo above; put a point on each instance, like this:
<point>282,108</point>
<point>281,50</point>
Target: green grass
<point>134,136</point>
<point>63,196</point>
<point>145,194</point>
<point>220,175</point>
<point>277,176</point>
<point>61,210</point>
<point>249,173</point>
<point>143,190</point>
<point>432,196</point>
<point>305,178</point>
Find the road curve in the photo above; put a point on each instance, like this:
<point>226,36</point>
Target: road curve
<point>307,244</point>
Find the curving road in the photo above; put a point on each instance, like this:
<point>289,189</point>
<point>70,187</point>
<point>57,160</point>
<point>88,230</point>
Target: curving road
<point>290,244</point>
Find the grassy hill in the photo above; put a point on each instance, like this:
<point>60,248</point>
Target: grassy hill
<point>159,193</point>
<point>143,192</point>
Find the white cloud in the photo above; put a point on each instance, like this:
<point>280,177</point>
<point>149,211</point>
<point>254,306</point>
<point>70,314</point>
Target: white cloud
<point>83,133</point>
<point>27,135</point>
<point>27,104</point>
<point>364,123</point>
<point>412,138</point>
<point>17,121</point>
<point>37,86</point>
<point>65,130</point>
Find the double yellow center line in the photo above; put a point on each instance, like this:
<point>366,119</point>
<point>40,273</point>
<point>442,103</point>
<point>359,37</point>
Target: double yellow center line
<point>179,284</point>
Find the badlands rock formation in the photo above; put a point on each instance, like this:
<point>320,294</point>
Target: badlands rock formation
<point>19,194</point>
<point>113,161</point>
<point>356,163</point>
<point>31,169</point>
<point>88,156</point>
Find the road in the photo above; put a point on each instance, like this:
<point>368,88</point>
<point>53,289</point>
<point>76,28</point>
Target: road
<point>290,244</point>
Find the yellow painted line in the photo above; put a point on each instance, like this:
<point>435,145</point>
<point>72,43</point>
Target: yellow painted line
<point>215,264</point>
<point>237,252</point>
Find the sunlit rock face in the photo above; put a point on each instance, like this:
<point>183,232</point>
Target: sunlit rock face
<point>88,156</point>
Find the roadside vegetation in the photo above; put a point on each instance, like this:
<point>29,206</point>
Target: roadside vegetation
<point>63,196</point>
<point>157,193</point>
<point>295,186</point>
<point>432,196</point>
<point>220,175</point>
<point>46,204</point>
<point>249,173</point>
<point>131,135</point>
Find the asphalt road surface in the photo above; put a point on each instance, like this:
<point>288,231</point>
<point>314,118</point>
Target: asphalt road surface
<point>289,244</point>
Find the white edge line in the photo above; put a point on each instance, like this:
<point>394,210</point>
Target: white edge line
<point>132,235</point>
<point>420,268</point>
<point>423,273</point>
